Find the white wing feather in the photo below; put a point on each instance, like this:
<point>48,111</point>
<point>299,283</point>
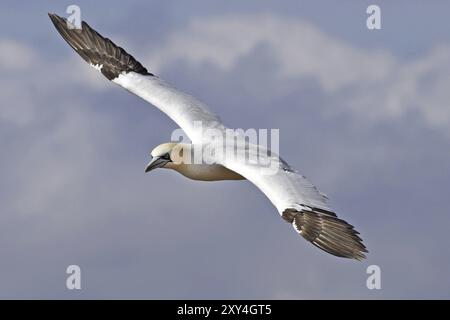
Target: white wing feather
<point>190,114</point>
<point>284,187</point>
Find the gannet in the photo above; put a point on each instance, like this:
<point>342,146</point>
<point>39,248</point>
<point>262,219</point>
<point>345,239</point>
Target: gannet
<point>298,201</point>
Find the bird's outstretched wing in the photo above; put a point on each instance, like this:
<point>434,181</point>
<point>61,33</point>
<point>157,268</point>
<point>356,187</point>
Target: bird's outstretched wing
<point>297,200</point>
<point>123,69</point>
<point>300,203</point>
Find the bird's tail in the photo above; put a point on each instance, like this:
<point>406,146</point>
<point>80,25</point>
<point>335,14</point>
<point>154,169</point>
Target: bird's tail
<point>327,232</point>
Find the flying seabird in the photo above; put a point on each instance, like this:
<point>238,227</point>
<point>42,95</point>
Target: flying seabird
<point>298,201</point>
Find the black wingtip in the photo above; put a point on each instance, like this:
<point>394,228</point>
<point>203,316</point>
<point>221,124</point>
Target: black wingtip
<point>327,232</point>
<point>97,50</point>
<point>54,17</point>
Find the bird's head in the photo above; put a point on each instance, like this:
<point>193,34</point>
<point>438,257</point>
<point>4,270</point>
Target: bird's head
<point>165,156</point>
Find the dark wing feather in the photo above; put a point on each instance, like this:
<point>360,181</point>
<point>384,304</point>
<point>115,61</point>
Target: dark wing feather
<point>327,232</point>
<point>97,50</point>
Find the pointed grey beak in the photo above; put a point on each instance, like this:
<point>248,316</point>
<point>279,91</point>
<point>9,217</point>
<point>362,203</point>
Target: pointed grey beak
<point>156,162</point>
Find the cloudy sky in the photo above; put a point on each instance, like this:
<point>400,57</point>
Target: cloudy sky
<point>364,114</point>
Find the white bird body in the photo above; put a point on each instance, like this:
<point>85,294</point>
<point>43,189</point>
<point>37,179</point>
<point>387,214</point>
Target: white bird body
<point>205,172</point>
<point>297,200</point>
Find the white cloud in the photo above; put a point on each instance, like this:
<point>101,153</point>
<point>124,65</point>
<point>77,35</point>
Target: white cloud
<point>45,174</point>
<point>299,47</point>
<point>15,55</point>
<point>27,84</point>
<point>371,85</point>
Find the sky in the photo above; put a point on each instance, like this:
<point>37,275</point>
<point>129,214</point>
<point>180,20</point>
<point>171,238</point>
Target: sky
<point>364,114</point>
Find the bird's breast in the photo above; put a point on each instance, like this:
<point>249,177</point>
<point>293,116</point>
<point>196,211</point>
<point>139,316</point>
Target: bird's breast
<point>206,172</point>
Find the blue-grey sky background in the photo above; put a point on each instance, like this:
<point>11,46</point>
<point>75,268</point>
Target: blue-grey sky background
<point>364,114</point>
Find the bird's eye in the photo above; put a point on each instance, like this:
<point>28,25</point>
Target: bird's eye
<point>166,156</point>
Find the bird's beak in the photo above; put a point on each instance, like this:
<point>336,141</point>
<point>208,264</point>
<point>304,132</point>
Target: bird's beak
<point>156,162</point>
